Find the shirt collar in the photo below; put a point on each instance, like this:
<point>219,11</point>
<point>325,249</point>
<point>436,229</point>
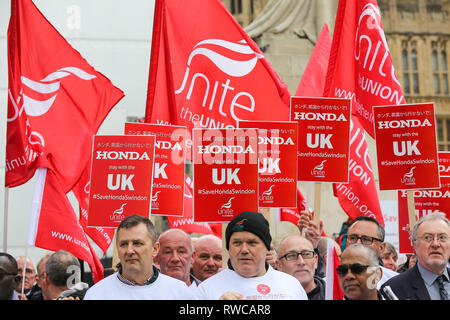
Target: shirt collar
<point>133,283</point>
<point>428,276</point>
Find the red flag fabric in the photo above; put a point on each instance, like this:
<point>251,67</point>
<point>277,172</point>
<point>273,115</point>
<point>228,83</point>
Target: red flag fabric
<point>333,290</point>
<point>360,65</point>
<point>206,71</point>
<point>293,214</point>
<point>56,100</point>
<point>361,68</point>
<point>103,237</point>
<point>54,225</point>
<point>312,82</point>
<point>186,222</point>
<point>359,196</point>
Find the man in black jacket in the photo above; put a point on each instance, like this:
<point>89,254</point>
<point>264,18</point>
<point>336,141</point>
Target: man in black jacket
<point>429,278</point>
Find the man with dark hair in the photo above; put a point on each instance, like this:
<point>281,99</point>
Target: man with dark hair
<point>137,278</point>
<point>369,232</point>
<point>9,279</point>
<point>62,273</point>
<point>249,276</point>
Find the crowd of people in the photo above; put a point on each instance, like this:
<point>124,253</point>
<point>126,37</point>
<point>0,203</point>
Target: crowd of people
<point>175,266</point>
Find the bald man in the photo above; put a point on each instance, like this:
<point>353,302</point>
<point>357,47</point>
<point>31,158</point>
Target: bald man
<point>29,282</point>
<point>207,259</point>
<point>175,255</point>
<point>296,257</point>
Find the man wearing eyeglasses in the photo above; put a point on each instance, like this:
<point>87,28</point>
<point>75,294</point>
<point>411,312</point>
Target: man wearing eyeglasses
<point>359,273</point>
<point>296,257</point>
<point>429,278</point>
<point>9,279</point>
<point>370,233</point>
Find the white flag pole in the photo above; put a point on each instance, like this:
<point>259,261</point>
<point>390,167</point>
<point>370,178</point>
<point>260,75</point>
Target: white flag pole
<point>5,222</point>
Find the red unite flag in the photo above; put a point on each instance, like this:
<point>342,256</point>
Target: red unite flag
<point>54,225</point>
<point>205,71</point>
<point>361,68</point>
<point>360,64</point>
<point>56,103</point>
<point>56,100</point>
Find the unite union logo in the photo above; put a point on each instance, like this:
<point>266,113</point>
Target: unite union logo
<point>318,171</point>
<point>408,178</point>
<point>267,196</point>
<point>37,97</point>
<point>118,215</point>
<point>225,210</point>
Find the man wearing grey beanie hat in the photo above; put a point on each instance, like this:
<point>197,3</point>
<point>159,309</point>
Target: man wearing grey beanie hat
<point>248,275</point>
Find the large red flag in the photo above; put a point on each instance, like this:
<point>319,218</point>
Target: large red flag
<point>360,68</point>
<point>360,63</point>
<point>54,225</point>
<point>186,222</point>
<point>56,100</point>
<point>206,71</point>
<point>359,196</point>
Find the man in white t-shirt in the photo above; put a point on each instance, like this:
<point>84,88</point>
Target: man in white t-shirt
<point>248,275</point>
<point>137,278</point>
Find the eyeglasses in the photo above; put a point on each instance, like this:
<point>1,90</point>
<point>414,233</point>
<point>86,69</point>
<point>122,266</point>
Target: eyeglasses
<point>365,240</point>
<point>293,256</point>
<point>428,238</point>
<point>3,274</point>
<point>355,268</point>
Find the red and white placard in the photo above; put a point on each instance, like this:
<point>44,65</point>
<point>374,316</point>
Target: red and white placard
<point>323,138</point>
<point>225,173</point>
<point>277,158</point>
<point>405,137</point>
<point>121,179</point>
<point>168,171</point>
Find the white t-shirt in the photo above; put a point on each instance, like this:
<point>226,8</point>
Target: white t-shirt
<point>163,288</point>
<point>273,285</point>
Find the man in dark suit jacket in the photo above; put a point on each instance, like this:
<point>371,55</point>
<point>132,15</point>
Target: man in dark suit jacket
<point>430,240</point>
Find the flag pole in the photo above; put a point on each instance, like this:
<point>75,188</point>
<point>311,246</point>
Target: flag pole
<point>411,208</point>
<point>5,221</point>
<point>309,197</point>
<point>24,268</point>
<point>317,200</point>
